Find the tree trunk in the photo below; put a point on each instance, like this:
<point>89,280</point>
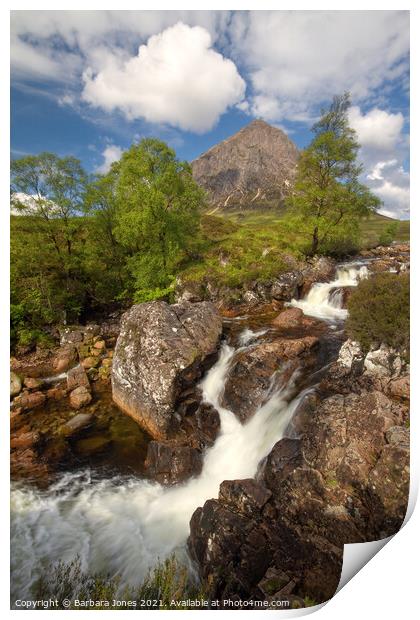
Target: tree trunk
<point>315,241</point>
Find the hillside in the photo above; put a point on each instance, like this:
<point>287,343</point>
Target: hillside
<point>253,168</point>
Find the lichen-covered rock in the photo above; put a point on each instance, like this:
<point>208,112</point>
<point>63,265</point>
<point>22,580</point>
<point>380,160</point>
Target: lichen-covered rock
<point>160,349</point>
<point>29,400</point>
<point>252,370</point>
<point>286,286</point>
<point>15,384</point>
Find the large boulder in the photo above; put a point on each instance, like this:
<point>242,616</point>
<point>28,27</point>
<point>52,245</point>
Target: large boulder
<point>161,348</point>
<point>251,374</point>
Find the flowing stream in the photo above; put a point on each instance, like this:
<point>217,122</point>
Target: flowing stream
<point>123,525</point>
<point>324,300</point>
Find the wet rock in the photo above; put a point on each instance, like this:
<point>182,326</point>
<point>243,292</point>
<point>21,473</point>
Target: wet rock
<point>170,464</point>
<point>15,384</point>
<point>286,286</point>
<point>56,393</point>
<point>33,384</point>
<point>80,397</point>
<point>244,496</point>
<point>251,373</point>
<point>24,440</point>
<point>292,318</point>
<point>92,445</point>
<point>76,424</point>
<point>160,350</point>
<point>29,400</point>
<point>77,377</point>
<point>65,358</point>
<point>319,269</point>
<point>284,458</point>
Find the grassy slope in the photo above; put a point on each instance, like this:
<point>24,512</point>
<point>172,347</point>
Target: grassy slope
<point>237,247</point>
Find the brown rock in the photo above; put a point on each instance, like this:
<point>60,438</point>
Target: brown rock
<point>32,384</point>
<point>29,400</point>
<point>76,424</point>
<point>56,393</point>
<point>170,464</point>
<point>99,344</point>
<point>65,359</point>
<point>400,387</point>
<point>80,397</point>
<point>90,362</point>
<point>15,384</point>
<point>24,440</point>
<point>77,377</point>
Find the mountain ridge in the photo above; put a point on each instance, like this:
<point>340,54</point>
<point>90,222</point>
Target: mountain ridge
<point>254,167</point>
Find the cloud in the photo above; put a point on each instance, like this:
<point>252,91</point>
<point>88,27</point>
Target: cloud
<point>110,154</point>
<point>383,151</point>
<point>175,79</point>
<point>297,60</point>
<point>377,129</point>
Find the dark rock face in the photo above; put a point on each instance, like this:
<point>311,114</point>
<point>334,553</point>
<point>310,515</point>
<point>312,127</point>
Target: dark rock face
<point>160,350</point>
<point>255,166</point>
<point>342,478</point>
<point>170,464</point>
<point>250,377</point>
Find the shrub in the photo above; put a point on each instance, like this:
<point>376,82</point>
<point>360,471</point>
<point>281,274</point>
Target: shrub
<point>387,236</point>
<point>168,582</point>
<point>379,311</point>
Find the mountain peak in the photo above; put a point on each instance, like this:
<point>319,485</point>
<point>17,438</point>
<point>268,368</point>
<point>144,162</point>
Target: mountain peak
<point>254,167</point>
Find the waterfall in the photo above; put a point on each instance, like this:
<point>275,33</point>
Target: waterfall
<point>325,303</point>
<point>122,526</point>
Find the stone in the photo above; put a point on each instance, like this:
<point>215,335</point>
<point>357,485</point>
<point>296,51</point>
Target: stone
<point>92,445</point>
<point>161,349</point>
<point>90,362</point>
<point>80,397</point>
<point>247,496</point>
<point>293,318</point>
<point>383,362</point>
<point>56,393</point>
<point>170,464</point>
<point>250,377</point>
<point>400,388</point>
<point>15,384</point>
<point>33,384</point>
<point>77,377</point>
<point>65,358</point>
<point>29,400</point>
<point>69,335</point>
<point>286,286</point>
<point>24,440</point>
<point>99,344</point>
<point>76,424</point>
<point>350,355</point>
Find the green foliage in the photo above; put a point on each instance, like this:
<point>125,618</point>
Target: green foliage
<point>387,236</point>
<point>328,200</point>
<point>379,311</point>
<point>169,581</point>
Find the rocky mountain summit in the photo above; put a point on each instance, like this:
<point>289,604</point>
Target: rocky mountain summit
<point>254,167</point>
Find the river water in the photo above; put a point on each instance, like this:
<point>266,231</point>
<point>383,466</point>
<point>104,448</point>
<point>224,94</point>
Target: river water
<point>123,525</point>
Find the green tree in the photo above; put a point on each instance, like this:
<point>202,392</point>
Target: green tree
<point>157,214</point>
<point>328,200</point>
<point>47,275</point>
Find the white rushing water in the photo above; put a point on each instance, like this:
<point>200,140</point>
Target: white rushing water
<point>123,526</point>
<point>323,301</point>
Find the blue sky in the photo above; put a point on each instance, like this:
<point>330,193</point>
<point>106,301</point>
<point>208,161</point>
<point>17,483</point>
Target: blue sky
<point>90,83</point>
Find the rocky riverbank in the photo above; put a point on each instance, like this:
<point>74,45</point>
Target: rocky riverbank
<point>339,473</point>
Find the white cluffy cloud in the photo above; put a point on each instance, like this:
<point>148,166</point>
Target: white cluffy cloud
<point>383,146</point>
<point>110,154</point>
<point>297,60</point>
<point>175,79</point>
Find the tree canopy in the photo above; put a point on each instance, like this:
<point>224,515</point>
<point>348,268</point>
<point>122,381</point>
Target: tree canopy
<point>328,200</point>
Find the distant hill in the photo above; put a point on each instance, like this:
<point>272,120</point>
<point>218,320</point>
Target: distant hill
<point>255,167</point>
